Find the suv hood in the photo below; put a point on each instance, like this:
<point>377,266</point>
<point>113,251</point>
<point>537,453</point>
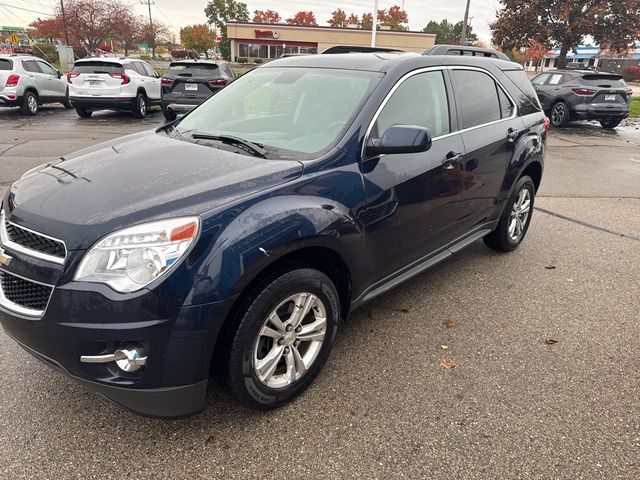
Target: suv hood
<point>135,179</point>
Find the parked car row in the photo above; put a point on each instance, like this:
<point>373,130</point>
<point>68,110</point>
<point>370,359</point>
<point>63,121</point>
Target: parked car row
<point>110,83</point>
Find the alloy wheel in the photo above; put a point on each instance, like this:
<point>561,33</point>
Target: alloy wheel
<point>558,114</point>
<point>519,215</point>
<point>142,107</point>
<point>290,340</point>
<point>32,103</point>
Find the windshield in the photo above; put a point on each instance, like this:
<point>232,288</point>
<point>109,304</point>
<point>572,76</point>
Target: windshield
<point>293,113</point>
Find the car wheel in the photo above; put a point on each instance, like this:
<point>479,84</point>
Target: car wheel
<point>140,110</point>
<point>284,334</point>
<point>30,104</point>
<point>84,113</point>
<point>169,115</point>
<point>610,123</point>
<point>560,115</point>
<point>516,218</point>
<point>67,102</point>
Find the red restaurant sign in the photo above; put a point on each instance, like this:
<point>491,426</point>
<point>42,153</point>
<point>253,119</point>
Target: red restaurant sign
<point>266,34</point>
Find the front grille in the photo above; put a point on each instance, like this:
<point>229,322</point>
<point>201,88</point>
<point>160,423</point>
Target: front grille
<point>24,293</point>
<point>33,241</point>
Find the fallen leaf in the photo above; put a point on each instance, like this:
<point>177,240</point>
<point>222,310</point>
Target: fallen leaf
<point>350,412</point>
<point>404,310</point>
<point>209,439</point>
<point>444,347</point>
<point>550,341</point>
<point>550,267</point>
<point>448,363</point>
<point>570,280</point>
<point>226,447</point>
<point>450,324</point>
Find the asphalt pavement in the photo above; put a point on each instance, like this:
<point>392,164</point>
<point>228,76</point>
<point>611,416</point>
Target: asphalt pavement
<point>545,343</point>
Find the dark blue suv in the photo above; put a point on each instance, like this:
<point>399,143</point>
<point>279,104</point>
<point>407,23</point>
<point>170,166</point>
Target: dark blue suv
<point>236,238</point>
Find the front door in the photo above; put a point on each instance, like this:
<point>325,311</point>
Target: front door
<point>56,86</point>
<point>412,198</point>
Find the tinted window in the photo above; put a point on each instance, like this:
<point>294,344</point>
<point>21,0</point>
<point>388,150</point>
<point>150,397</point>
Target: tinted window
<point>6,64</point>
<point>98,67</point>
<point>528,102</point>
<point>137,67</point>
<point>506,107</point>
<point>46,68</point>
<point>478,96</point>
<point>557,79</point>
<point>193,70</point>
<point>420,100</point>
<point>604,81</point>
<point>150,71</point>
<point>30,66</point>
<point>540,79</point>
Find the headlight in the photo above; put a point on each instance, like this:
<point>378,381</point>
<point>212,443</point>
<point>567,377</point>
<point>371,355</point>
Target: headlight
<point>130,259</point>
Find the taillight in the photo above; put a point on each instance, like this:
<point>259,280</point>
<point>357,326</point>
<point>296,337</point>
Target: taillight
<point>12,80</point>
<point>221,82</point>
<point>629,94</point>
<point>71,76</point>
<point>584,92</point>
<point>167,82</point>
<point>124,78</point>
<point>547,124</point>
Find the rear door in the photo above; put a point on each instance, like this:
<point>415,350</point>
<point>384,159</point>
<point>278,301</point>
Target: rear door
<point>490,128</point>
<point>57,86</point>
<point>549,91</point>
<point>96,78</point>
<point>37,77</point>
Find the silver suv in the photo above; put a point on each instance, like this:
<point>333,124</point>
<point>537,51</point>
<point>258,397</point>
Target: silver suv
<point>28,82</point>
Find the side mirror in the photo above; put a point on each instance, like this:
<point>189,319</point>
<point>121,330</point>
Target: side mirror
<point>60,74</point>
<point>400,139</point>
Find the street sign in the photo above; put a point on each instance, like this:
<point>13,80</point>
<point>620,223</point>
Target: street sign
<point>13,38</point>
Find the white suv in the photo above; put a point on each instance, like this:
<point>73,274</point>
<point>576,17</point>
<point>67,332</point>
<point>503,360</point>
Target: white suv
<point>113,84</point>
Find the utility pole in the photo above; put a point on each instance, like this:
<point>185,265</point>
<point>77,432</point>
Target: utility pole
<point>374,27</point>
<point>148,3</point>
<point>463,37</point>
<point>64,22</point>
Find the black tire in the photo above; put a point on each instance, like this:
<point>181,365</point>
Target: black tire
<point>559,115</point>
<point>66,102</point>
<point>243,342</point>
<point>501,239</point>
<point>83,112</point>
<point>169,115</point>
<point>610,123</point>
<point>30,103</point>
<point>140,107</point>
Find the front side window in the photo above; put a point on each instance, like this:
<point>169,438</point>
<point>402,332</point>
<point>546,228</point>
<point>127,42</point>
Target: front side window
<point>540,79</point>
<point>46,68</point>
<point>294,113</point>
<point>478,96</point>
<point>420,100</point>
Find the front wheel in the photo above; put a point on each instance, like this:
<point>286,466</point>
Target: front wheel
<point>610,123</point>
<point>30,104</point>
<point>516,218</point>
<point>560,115</point>
<point>140,109</point>
<point>283,337</point>
<point>83,112</point>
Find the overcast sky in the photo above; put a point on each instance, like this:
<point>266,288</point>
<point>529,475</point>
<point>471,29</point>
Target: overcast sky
<point>177,13</point>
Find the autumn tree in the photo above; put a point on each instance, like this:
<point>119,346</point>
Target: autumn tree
<point>367,21</point>
<point>198,37</point>
<point>266,16</point>
<point>395,18</point>
<point>614,24</point>
<point>303,19</point>
<point>535,52</point>
<point>50,28</point>
<point>353,20</point>
<point>128,30</point>
<point>219,12</point>
<point>449,33</point>
<point>338,19</point>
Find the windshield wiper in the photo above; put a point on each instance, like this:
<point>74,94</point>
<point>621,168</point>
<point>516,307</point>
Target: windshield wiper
<point>254,148</point>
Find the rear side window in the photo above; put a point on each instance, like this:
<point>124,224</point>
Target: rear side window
<point>193,70</point>
<point>604,81</point>
<point>6,64</point>
<point>479,98</point>
<point>420,100</point>
<point>30,66</point>
<point>527,103</point>
<point>98,67</point>
<point>506,107</point>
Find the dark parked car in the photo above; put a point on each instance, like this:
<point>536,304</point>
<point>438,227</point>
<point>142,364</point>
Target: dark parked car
<point>236,238</point>
<point>581,95</point>
<point>188,83</point>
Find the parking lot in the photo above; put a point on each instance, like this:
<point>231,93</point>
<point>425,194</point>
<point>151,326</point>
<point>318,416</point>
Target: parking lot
<point>545,340</point>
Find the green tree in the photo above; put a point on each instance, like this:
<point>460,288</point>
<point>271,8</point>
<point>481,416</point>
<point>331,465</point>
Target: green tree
<point>614,24</point>
<point>449,33</point>
<point>219,12</point>
<point>198,37</point>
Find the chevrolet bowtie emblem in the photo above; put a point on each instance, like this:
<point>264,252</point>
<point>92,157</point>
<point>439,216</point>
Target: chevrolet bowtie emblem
<point>4,258</point>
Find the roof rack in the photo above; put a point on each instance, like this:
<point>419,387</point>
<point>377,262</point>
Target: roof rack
<point>359,49</point>
<point>470,51</point>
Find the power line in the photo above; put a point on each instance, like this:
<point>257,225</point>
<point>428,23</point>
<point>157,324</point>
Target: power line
<point>6,5</point>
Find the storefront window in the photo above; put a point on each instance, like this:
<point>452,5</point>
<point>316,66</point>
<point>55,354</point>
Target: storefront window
<point>251,50</point>
<point>243,50</point>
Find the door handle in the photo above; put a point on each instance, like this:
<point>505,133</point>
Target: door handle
<point>512,135</point>
<point>450,160</point>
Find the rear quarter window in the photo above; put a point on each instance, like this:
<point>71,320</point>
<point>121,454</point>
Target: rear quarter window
<point>98,67</point>
<point>6,64</point>
<point>527,100</point>
<point>193,70</point>
<point>604,81</point>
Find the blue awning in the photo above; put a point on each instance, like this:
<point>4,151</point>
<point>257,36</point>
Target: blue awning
<point>582,55</point>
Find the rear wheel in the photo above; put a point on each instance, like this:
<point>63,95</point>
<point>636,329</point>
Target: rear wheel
<point>30,104</point>
<point>140,109</point>
<point>516,218</point>
<point>559,115</point>
<point>284,334</point>
<point>610,123</point>
<point>83,112</point>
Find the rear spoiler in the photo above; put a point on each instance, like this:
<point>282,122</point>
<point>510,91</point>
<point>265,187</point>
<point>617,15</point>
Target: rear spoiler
<point>359,49</point>
<point>468,51</point>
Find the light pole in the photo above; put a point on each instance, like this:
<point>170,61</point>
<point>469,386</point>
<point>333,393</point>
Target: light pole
<point>463,36</point>
<point>374,27</point>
